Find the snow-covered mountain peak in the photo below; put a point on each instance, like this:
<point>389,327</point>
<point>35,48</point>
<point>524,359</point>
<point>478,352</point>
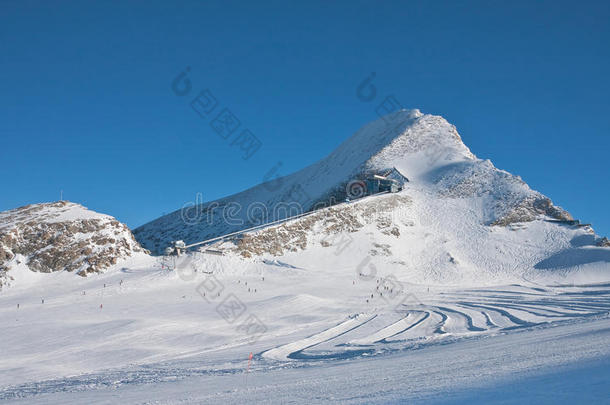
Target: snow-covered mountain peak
<point>407,138</point>
<point>425,149</point>
<point>52,212</point>
<point>59,236</point>
<point>417,143</point>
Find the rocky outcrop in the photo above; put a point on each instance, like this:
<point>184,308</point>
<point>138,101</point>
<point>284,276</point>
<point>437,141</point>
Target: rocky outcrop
<point>603,242</point>
<point>62,236</point>
<point>324,225</point>
<point>529,209</point>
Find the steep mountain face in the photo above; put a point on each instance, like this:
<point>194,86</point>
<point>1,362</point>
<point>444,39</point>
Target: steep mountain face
<point>62,236</point>
<point>424,148</point>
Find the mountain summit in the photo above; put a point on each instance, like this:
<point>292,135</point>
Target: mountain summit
<point>424,149</point>
<point>62,235</point>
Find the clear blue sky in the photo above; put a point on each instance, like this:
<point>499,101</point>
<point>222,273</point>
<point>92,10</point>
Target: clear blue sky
<point>86,104</point>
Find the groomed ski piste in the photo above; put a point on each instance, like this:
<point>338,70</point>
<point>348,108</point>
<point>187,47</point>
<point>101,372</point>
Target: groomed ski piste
<point>412,297</point>
<point>156,339</point>
<point>143,332</point>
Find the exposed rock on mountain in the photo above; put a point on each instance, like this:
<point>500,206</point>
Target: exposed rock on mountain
<point>62,236</point>
<point>325,227</point>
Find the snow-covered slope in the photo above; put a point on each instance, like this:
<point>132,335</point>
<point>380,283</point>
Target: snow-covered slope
<point>61,236</point>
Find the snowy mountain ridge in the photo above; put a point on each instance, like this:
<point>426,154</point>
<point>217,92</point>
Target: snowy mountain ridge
<point>425,148</point>
<point>60,236</point>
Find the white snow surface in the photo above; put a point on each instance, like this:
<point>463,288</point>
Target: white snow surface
<point>50,213</point>
<point>143,333</point>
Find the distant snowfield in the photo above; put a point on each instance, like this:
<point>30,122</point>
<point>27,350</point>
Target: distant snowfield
<point>156,339</point>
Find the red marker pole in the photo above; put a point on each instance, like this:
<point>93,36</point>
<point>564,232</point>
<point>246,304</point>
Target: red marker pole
<point>248,369</point>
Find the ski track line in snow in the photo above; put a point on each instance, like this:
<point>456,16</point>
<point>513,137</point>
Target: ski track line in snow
<point>396,328</point>
<point>286,351</point>
<point>460,319</point>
